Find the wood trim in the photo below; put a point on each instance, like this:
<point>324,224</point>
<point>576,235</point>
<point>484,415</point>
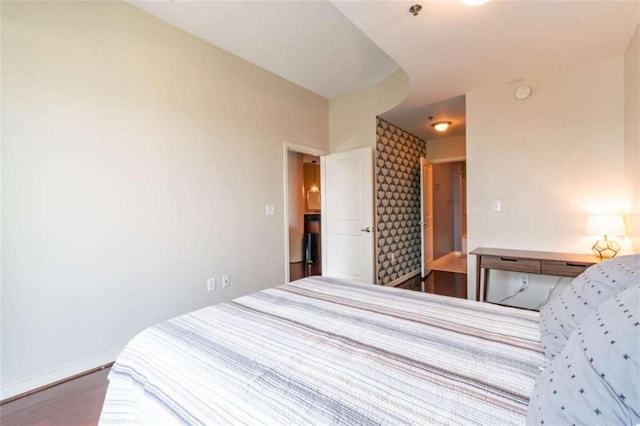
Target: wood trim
<point>56,383</point>
<point>448,160</point>
<point>537,255</point>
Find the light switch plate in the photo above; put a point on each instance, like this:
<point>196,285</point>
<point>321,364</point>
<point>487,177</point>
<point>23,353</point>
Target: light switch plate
<point>211,284</point>
<point>270,210</point>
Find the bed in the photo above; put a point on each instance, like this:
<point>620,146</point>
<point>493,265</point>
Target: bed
<point>328,351</point>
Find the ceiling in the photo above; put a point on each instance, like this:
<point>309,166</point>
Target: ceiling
<point>309,43</point>
<point>449,49</point>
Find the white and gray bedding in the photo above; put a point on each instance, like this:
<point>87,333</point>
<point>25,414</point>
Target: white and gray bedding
<point>595,379</point>
<point>326,351</point>
<point>591,334</point>
<point>594,286</point>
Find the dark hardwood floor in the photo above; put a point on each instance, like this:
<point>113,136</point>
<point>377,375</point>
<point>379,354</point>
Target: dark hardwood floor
<point>299,270</point>
<point>77,402</point>
<point>439,282</point>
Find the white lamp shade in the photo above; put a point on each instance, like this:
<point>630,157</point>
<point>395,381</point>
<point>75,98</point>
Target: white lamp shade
<point>606,224</point>
<point>474,2</point>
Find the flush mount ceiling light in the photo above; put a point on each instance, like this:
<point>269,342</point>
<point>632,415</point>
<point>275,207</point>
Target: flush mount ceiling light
<point>441,126</point>
<point>474,2</point>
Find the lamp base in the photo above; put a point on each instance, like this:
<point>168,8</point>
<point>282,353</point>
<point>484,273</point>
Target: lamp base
<point>606,248</point>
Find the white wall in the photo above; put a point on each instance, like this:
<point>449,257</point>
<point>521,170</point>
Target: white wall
<point>137,162</point>
<point>446,149</point>
<point>551,159</point>
<point>632,135</point>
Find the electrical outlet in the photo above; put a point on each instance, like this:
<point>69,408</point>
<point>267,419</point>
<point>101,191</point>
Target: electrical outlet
<point>524,281</point>
<point>226,281</point>
<point>211,284</point>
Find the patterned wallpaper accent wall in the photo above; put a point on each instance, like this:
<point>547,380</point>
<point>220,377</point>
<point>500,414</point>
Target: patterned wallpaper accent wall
<point>398,155</point>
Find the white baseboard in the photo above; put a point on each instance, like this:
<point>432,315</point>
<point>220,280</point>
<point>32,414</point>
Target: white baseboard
<point>403,278</point>
<point>35,382</point>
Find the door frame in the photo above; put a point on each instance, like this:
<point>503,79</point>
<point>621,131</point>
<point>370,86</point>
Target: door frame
<point>458,159</point>
<point>302,149</point>
<point>426,267</point>
<point>448,160</point>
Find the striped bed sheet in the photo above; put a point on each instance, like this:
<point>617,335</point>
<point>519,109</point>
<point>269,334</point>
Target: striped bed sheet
<point>329,351</point>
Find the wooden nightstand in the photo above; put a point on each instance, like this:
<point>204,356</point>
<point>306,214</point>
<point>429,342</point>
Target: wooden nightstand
<point>531,262</point>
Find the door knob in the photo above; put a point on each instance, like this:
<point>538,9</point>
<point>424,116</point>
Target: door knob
<point>368,229</point>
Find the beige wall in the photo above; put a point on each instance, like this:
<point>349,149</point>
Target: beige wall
<point>352,117</point>
<point>551,159</point>
<point>137,162</point>
<point>447,149</point>
<point>632,135</point>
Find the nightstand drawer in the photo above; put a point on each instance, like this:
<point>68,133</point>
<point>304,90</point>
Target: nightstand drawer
<point>507,263</point>
<point>564,269</point>
<point>527,261</point>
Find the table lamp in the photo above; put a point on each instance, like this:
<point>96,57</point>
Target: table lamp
<point>607,225</point>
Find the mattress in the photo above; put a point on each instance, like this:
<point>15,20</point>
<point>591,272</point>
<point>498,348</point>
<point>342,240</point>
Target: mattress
<point>328,351</point>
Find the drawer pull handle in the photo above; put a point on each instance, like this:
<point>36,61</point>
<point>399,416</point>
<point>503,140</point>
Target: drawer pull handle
<point>579,265</point>
<point>507,259</point>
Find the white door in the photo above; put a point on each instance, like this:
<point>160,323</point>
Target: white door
<point>426,215</point>
<point>347,214</point>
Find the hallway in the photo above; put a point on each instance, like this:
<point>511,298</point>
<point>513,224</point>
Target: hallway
<point>451,262</point>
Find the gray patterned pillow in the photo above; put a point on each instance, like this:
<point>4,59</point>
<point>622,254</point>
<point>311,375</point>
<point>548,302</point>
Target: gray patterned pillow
<point>598,283</point>
<point>594,380</point>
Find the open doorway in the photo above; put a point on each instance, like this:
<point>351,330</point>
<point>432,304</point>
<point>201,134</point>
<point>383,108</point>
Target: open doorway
<point>449,203</point>
<point>450,217</point>
<point>444,215</point>
<point>303,192</point>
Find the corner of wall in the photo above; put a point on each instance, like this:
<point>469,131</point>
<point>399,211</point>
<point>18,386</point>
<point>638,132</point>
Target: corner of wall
<point>397,198</point>
<point>632,136</point>
<point>82,218</point>
<point>537,157</point>
<point>392,91</point>
<point>352,117</point>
